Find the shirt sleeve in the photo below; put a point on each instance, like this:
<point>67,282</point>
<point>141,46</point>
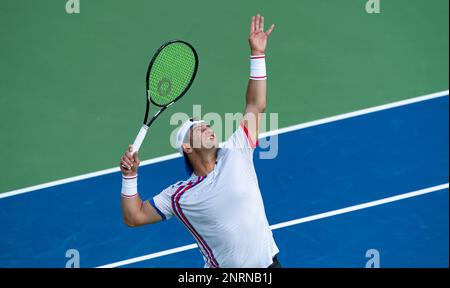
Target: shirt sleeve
<point>163,202</point>
<point>241,141</point>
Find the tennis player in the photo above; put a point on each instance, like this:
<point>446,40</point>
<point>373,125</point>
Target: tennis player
<point>220,204</point>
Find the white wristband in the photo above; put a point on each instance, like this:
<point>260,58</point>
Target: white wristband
<point>129,186</point>
<point>258,67</point>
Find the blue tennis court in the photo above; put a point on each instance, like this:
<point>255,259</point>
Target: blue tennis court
<point>325,180</point>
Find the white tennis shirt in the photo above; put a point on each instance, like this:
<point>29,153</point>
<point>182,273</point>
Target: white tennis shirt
<point>224,210</point>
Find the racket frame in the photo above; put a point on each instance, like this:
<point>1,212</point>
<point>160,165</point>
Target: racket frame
<point>143,131</point>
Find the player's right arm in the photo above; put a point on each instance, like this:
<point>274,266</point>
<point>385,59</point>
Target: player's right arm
<point>135,211</point>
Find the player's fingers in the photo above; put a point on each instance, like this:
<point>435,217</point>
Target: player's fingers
<point>125,166</point>
<point>270,30</point>
<point>258,18</point>
<point>129,152</point>
<point>127,161</point>
<point>261,25</point>
<point>128,155</point>
<point>252,25</point>
<point>136,157</point>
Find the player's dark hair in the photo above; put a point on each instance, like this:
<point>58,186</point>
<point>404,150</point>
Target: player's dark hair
<point>188,166</point>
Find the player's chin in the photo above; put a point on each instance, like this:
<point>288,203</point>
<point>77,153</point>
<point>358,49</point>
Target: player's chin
<point>210,143</point>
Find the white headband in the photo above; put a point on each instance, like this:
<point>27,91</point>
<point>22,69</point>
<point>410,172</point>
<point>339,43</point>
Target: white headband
<point>184,129</point>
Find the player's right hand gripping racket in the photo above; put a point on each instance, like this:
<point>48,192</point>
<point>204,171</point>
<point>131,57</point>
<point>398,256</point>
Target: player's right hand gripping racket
<point>169,76</point>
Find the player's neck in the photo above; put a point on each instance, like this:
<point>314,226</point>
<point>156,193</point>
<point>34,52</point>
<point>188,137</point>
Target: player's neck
<point>205,162</point>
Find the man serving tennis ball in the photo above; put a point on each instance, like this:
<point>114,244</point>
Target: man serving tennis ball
<point>220,204</point>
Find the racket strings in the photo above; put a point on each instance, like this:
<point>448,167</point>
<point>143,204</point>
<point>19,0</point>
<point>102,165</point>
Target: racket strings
<point>171,73</point>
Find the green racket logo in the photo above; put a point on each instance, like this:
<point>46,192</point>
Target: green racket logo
<point>164,87</point>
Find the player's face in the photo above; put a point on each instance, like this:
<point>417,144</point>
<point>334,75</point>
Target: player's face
<point>203,137</point>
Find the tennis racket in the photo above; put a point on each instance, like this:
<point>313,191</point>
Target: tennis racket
<point>169,76</point>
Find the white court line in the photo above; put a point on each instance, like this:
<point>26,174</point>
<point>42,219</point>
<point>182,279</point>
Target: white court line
<point>262,135</point>
<point>84,176</point>
<point>355,113</point>
<point>290,223</point>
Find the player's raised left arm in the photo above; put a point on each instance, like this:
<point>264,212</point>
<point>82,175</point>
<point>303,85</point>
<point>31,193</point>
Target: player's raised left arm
<point>256,89</point>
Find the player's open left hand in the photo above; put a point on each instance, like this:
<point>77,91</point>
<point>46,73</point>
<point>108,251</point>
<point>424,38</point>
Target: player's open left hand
<point>258,38</point>
<point>129,163</point>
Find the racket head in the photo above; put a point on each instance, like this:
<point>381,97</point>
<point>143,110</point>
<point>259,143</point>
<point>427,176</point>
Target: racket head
<point>171,72</point>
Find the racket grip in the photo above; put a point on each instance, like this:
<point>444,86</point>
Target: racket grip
<point>139,138</point>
